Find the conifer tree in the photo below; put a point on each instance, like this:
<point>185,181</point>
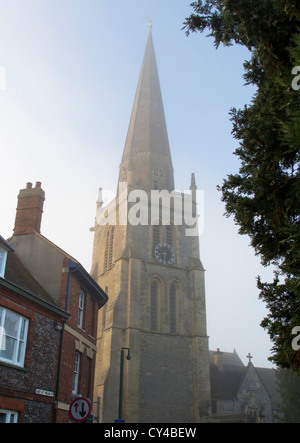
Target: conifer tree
<point>264,197</point>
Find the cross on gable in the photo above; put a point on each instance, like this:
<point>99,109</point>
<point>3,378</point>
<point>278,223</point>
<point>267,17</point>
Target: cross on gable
<point>249,356</point>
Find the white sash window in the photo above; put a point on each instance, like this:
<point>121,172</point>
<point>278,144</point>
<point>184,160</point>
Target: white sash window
<point>13,337</point>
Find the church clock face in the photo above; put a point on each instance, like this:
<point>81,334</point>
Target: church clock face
<point>164,253</point>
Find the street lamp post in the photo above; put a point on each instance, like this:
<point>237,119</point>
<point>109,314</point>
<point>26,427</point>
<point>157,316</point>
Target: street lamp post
<point>128,357</point>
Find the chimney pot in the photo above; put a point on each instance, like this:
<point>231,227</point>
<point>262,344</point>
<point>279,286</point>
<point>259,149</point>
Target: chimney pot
<point>218,359</point>
<point>29,210</point>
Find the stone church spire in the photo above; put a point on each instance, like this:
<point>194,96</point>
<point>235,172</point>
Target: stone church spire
<point>146,162</point>
<point>155,282</point>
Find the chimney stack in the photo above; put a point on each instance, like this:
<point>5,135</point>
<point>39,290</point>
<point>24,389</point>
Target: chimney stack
<point>218,359</point>
<point>29,209</point>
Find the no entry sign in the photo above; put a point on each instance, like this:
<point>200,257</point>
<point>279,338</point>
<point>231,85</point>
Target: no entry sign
<point>80,409</point>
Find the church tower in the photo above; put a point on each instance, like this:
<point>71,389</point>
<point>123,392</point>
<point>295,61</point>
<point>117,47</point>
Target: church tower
<point>150,268</point>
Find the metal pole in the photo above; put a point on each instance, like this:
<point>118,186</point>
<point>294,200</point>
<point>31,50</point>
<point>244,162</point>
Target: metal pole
<point>121,385</point>
<point>98,410</point>
<point>59,372</point>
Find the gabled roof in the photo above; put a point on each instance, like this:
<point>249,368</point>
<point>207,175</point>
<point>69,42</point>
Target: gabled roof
<point>18,274</point>
<point>80,273</point>
<point>88,283</point>
<point>269,380</point>
<point>54,246</point>
<point>57,255</point>
<point>5,244</point>
<point>20,280</point>
<point>225,383</point>
<point>229,359</point>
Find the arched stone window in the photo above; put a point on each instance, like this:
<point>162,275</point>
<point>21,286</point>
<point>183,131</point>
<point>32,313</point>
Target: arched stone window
<point>155,236</point>
<point>153,305</point>
<point>172,307</point>
<point>111,246</point>
<point>169,234</point>
<point>109,249</point>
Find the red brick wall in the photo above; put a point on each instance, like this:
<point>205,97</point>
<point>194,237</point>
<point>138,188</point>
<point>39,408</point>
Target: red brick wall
<point>29,210</point>
<point>18,385</point>
<point>77,340</point>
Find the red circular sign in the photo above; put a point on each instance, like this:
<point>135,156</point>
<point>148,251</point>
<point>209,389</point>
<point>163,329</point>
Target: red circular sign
<point>80,409</point>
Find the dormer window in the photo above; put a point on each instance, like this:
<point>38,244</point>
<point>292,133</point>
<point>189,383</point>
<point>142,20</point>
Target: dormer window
<point>3,256</point>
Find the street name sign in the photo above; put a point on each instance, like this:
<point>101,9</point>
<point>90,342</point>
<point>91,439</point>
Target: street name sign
<point>43,392</point>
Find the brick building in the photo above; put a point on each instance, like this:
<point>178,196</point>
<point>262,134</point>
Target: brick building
<point>48,321</point>
<point>28,343</point>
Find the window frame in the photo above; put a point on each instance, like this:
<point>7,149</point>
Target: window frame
<point>3,258</point>
<point>81,303</point>
<point>76,372</point>
<point>19,341</point>
<point>9,414</point>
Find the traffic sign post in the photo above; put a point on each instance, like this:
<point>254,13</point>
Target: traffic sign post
<point>80,409</point>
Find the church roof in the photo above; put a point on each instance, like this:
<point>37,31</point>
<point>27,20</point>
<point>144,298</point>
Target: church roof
<point>147,145</point>
<point>225,383</point>
<point>229,359</point>
<point>269,379</point>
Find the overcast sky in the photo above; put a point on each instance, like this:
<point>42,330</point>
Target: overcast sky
<point>68,75</point>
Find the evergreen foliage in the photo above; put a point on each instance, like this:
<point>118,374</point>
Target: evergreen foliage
<point>289,388</point>
<point>264,197</point>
